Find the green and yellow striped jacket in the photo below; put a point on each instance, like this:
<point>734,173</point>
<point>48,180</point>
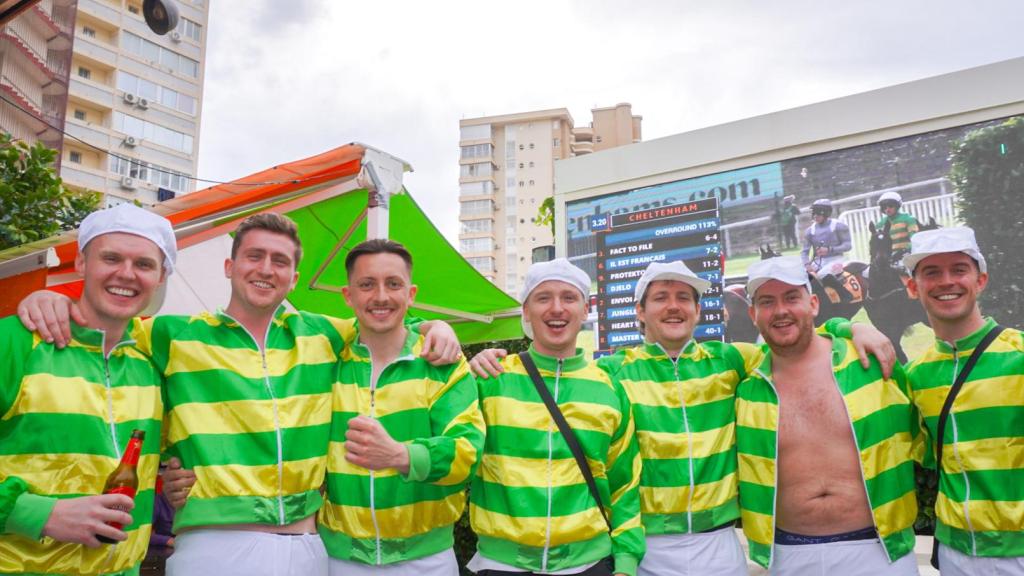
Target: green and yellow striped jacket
<point>685,417</point>
<point>902,227</point>
<point>253,425</point>
<point>65,417</point>
<point>980,505</point>
<point>381,517</point>
<point>529,504</point>
<point>886,430</point>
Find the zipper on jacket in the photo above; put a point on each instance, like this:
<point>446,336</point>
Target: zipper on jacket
<point>956,454</point>
<point>775,464</point>
<point>109,389</point>
<point>373,484</point>
<point>551,453</point>
<point>277,417</point>
<point>689,444</point>
<point>378,560</point>
<point>860,466</point>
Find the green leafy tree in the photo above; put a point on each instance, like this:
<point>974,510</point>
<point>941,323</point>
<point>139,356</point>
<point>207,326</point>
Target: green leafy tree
<point>546,214</point>
<point>988,171</point>
<point>33,202</point>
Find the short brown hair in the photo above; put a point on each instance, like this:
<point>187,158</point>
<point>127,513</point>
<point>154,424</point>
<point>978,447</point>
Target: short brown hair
<point>377,246</point>
<point>270,222</point>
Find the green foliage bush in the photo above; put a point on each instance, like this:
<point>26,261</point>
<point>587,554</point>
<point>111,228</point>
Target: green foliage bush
<point>33,202</point>
<point>988,171</point>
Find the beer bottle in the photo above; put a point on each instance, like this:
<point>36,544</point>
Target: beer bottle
<point>124,479</point>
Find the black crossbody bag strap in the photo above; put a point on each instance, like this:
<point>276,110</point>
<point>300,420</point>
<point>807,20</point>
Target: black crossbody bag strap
<point>940,425</point>
<point>567,432</point>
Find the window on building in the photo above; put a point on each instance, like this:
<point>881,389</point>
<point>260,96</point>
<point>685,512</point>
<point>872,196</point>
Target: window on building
<point>474,170</point>
<point>479,132</point>
<point>152,173</point>
<point>531,164</point>
<point>531,184</point>
<point>75,157</point>
<point>521,147</point>
<point>520,164</point>
<point>556,124</point>
<point>476,188</point>
<point>140,128</point>
<point>84,72</point>
<point>79,114</point>
<point>483,264</point>
<point>477,207</point>
<point>597,138</point>
<point>521,184</point>
<point>190,29</point>
<point>531,145</point>
<point>87,31</point>
<point>155,53</point>
<point>556,143</point>
<point>476,245</point>
<point>477,226</point>
<point>477,151</point>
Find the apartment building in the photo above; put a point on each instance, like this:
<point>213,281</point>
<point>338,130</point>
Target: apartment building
<point>35,56</point>
<point>506,170</point>
<point>134,102</point>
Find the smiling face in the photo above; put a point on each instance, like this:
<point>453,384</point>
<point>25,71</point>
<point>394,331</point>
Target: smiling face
<point>380,292</point>
<point>120,271</point>
<point>261,273</point>
<point>669,312</point>
<point>784,314</point>
<point>948,285</point>
<point>555,311</point>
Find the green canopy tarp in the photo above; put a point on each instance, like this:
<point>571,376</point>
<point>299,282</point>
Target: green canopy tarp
<point>473,306</point>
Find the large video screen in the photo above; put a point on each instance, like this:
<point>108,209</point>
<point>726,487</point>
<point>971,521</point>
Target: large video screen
<point>766,209</point>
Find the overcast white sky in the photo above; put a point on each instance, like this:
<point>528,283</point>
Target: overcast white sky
<point>287,79</point>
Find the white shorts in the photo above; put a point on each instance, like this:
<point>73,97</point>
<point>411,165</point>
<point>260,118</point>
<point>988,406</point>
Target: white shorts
<point>850,558</point>
<point>441,564</point>
<point>247,553</point>
<point>955,563</point>
<point>715,553</point>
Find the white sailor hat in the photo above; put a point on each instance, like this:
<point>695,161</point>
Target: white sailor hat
<point>787,269</point>
<point>131,219</point>
<point>940,241</point>
<point>670,271</point>
<point>557,269</point>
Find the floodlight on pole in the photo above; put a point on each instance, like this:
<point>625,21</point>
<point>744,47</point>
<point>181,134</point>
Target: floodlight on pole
<point>161,15</point>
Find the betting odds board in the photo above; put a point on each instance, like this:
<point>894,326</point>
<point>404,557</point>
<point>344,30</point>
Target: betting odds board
<point>627,243</point>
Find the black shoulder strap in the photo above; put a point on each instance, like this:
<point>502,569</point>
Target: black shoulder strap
<point>567,432</point>
<point>940,425</point>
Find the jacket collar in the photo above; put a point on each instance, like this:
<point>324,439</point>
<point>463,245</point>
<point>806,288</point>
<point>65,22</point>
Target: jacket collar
<point>550,363</point>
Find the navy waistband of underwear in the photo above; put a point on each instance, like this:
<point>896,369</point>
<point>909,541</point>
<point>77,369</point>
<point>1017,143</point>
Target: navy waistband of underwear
<point>791,539</point>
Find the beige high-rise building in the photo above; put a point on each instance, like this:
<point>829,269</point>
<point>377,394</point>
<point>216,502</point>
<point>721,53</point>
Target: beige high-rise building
<point>507,169</point>
<point>35,52</point>
<point>136,99</point>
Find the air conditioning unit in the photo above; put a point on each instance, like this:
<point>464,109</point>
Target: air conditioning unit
<point>131,141</point>
<point>129,98</point>
<point>143,103</point>
<point>176,36</point>
<point>128,182</point>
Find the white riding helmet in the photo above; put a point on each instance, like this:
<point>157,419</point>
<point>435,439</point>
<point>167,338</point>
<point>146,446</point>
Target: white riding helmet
<point>890,197</point>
